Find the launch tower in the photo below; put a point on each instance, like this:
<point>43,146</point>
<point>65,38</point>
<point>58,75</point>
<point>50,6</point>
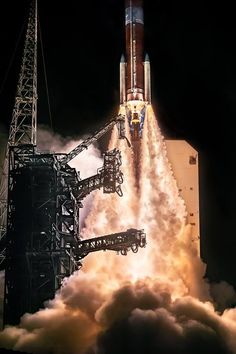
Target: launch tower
<point>41,196</point>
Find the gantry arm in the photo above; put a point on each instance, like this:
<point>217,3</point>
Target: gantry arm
<point>121,242</point>
<point>119,120</point>
<point>109,177</point>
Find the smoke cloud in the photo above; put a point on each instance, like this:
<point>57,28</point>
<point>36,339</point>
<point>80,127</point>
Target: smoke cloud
<point>138,317</point>
<point>87,162</point>
<point>152,322</point>
<point>223,295</point>
<point>155,301</point>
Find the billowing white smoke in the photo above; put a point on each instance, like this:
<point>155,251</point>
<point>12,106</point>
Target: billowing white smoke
<point>87,162</point>
<point>163,213</point>
<point>138,317</point>
<point>150,302</point>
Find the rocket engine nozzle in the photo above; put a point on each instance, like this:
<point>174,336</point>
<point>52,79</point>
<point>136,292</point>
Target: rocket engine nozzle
<point>135,111</point>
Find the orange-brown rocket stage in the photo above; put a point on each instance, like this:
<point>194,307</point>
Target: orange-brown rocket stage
<point>135,103</point>
<point>135,82</point>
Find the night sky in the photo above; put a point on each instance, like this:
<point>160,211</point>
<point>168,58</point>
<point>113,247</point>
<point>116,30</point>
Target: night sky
<point>191,45</point>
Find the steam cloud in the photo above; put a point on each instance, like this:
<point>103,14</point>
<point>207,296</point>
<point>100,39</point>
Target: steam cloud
<point>87,162</point>
<point>152,302</point>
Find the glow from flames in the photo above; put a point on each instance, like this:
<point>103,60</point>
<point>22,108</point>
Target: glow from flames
<point>170,255</point>
<point>159,289</point>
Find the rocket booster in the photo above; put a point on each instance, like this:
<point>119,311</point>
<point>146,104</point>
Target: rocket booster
<point>135,83</point>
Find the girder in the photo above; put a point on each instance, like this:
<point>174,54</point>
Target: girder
<point>119,120</point>
<point>121,242</point>
<point>23,127</point>
<point>40,198</point>
<point>109,177</point>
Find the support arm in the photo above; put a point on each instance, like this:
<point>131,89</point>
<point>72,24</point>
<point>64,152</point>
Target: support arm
<point>85,144</point>
<point>109,177</point>
<point>121,242</point>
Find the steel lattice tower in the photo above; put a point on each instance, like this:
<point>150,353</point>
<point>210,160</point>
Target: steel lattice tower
<point>22,133</point>
<point>41,243</point>
<point>23,128</point>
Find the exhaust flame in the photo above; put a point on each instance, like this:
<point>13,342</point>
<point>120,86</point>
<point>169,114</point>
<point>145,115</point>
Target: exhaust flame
<point>152,300</point>
<point>156,207</point>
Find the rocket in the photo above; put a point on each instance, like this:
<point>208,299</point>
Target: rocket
<point>135,74</point>
<point>135,96</point>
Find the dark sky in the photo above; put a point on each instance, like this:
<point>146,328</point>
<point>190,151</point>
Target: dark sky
<point>191,45</point>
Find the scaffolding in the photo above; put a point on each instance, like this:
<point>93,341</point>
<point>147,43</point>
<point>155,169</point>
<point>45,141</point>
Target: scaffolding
<point>41,196</point>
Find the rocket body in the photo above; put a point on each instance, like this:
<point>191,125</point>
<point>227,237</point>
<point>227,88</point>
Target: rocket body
<point>135,96</point>
<point>134,50</point>
<point>135,85</point>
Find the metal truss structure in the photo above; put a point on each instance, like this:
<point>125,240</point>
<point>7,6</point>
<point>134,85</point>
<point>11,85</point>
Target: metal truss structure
<point>42,245</point>
<point>23,128</point>
<point>119,120</point>
<point>120,242</point>
<point>109,177</point>
<point>40,249</point>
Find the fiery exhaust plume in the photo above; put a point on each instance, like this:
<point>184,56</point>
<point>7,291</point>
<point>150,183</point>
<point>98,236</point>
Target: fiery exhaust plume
<point>153,301</point>
<point>157,207</point>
